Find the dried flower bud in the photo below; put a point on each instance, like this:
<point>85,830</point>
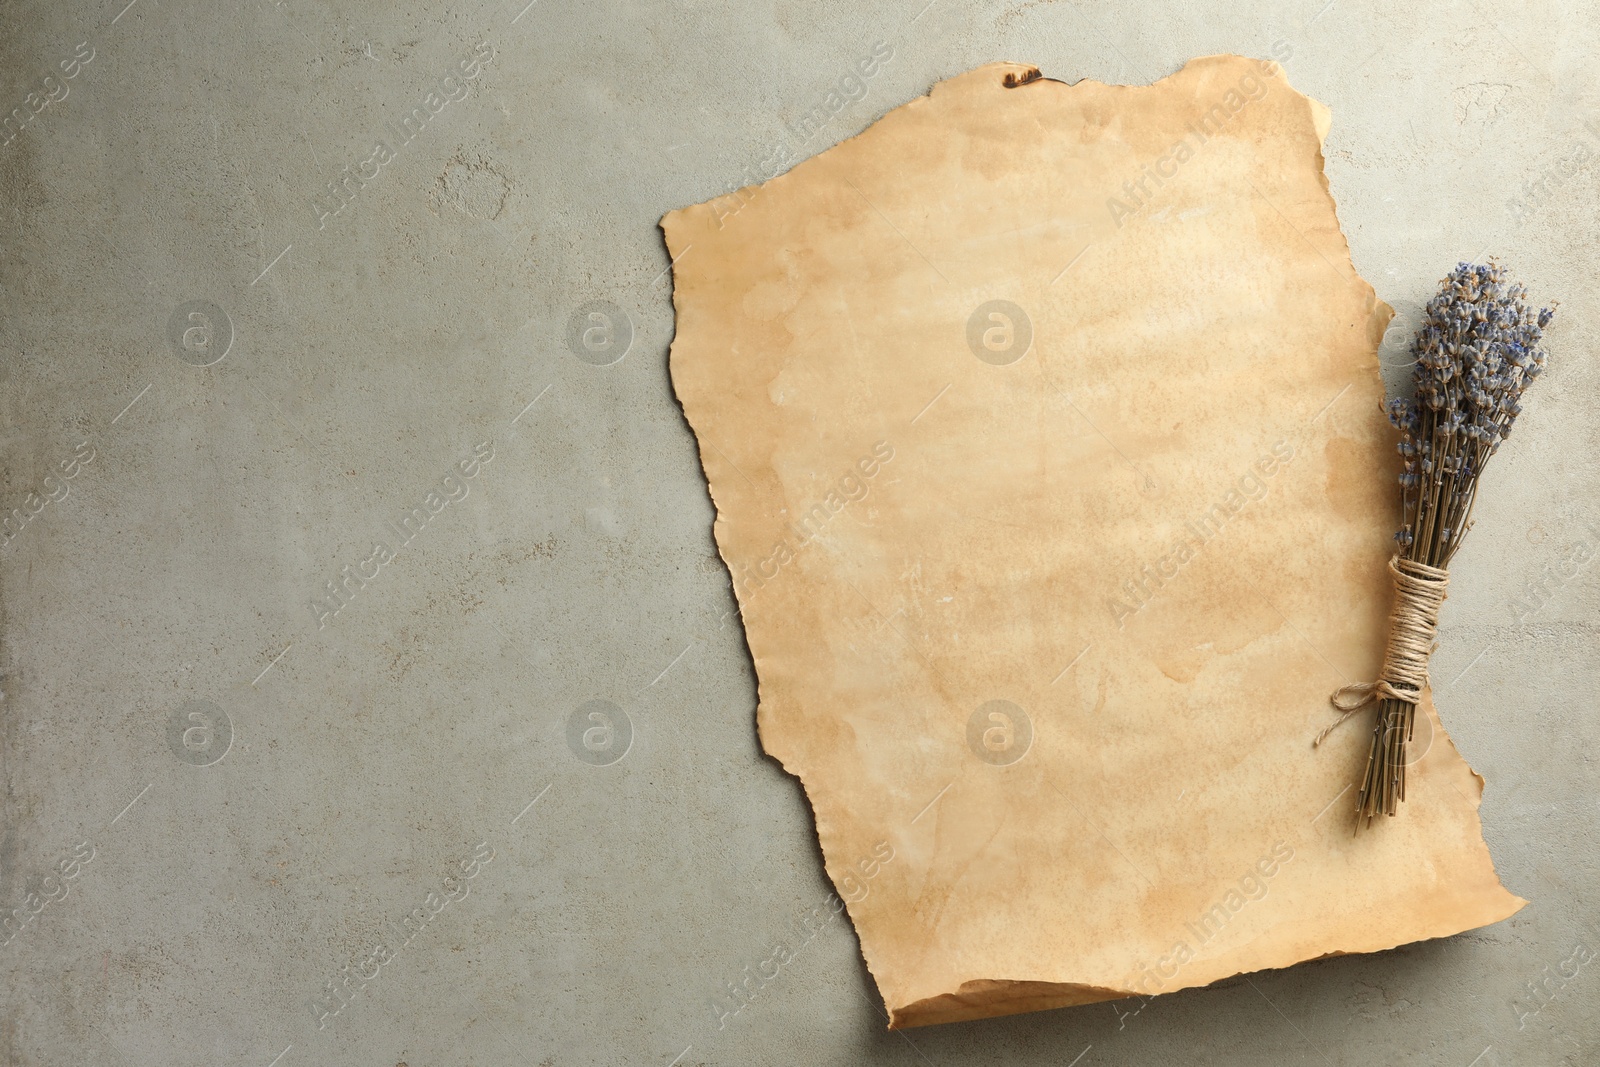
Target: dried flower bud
<point>1476,351</point>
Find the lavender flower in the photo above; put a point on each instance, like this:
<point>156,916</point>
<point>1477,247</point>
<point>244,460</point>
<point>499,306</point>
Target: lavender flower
<point>1477,350</point>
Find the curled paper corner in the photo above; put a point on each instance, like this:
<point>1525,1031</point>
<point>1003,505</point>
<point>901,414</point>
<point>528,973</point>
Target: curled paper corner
<point>1321,117</point>
<point>985,998</point>
<point>1042,425</point>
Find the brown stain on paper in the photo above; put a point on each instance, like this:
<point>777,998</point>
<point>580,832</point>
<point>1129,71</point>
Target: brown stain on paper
<point>1161,532</point>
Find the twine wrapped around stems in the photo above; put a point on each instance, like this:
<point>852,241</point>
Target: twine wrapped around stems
<point>1419,590</point>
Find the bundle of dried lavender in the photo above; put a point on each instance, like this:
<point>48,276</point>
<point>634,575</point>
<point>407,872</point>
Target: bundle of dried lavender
<point>1476,353</point>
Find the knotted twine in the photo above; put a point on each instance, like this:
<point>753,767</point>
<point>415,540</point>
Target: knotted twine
<point>1419,590</point>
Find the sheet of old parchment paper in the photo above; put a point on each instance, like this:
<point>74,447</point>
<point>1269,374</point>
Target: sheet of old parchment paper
<point>1042,423</point>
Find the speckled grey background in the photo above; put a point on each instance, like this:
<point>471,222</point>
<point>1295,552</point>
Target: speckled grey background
<point>220,795</point>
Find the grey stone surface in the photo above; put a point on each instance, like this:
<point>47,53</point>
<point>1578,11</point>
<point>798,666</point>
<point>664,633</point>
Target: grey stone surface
<point>249,794</point>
